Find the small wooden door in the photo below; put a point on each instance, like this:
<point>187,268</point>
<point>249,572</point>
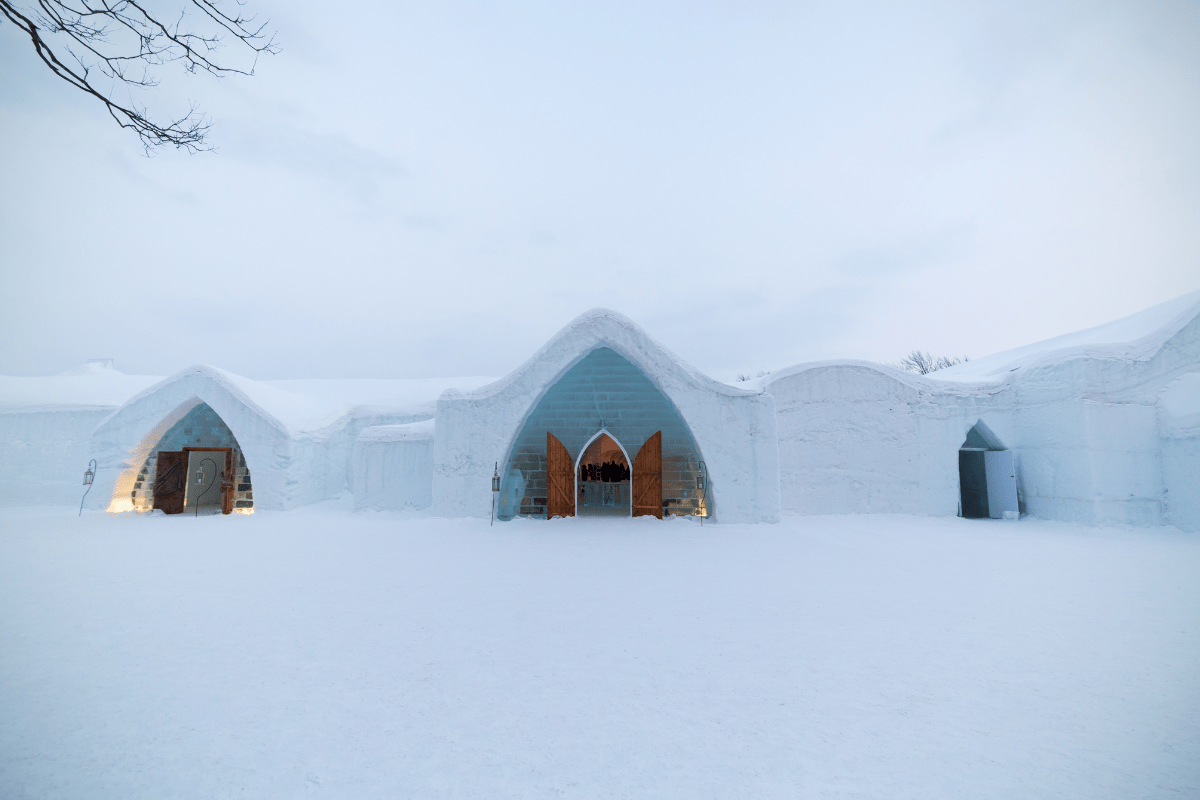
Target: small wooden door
<point>560,479</point>
<point>647,478</point>
<point>170,481</point>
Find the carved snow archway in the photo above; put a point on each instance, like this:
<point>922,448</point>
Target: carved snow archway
<point>602,393</point>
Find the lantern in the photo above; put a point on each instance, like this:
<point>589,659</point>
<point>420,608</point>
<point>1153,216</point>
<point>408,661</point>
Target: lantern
<point>88,476</point>
<point>495,491</point>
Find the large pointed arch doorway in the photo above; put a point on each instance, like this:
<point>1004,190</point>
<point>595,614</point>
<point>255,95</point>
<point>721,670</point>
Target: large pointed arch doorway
<point>602,395</point>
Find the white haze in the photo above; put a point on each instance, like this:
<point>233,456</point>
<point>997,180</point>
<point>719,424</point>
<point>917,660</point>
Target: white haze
<point>424,191</point>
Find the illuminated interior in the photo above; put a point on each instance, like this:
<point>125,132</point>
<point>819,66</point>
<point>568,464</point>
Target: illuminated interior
<point>603,486</point>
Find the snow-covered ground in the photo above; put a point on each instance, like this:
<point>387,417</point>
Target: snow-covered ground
<point>317,653</point>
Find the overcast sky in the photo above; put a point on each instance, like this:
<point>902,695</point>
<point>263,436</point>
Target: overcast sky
<point>434,189</point>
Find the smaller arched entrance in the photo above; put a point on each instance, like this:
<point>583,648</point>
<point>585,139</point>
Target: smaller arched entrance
<point>195,466</point>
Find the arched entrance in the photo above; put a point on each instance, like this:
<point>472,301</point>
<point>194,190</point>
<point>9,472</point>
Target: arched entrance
<point>603,394</point>
<point>195,466</point>
<point>603,479</point>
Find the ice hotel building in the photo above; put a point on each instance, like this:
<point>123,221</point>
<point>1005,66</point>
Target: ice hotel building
<point>1101,426</point>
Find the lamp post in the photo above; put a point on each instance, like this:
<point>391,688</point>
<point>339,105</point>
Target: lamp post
<point>88,477</point>
<point>495,492</point>
<point>701,486</point>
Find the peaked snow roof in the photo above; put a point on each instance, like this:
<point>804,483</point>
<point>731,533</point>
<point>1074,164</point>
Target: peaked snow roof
<point>602,327</point>
<point>235,385</point>
<point>299,406</point>
<point>1136,337</point>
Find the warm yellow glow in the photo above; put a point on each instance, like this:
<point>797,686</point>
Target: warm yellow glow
<point>243,511</point>
<point>120,504</point>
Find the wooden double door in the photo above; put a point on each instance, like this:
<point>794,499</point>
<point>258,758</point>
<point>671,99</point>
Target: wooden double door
<point>646,479</point>
<point>201,478</point>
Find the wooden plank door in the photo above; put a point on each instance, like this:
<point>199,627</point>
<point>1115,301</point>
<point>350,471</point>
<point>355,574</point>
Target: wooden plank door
<point>228,483</point>
<point>647,478</point>
<point>560,479</point>
<point>170,481</point>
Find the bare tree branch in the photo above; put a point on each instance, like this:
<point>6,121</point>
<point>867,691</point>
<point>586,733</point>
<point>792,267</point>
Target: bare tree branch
<point>111,36</point>
<point>924,363</point>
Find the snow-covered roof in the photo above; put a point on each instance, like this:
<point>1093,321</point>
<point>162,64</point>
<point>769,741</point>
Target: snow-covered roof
<point>602,327</point>
<point>87,387</point>
<point>298,405</point>
<point>763,382</point>
<point>312,404</point>
<point>411,431</point>
<point>1136,337</point>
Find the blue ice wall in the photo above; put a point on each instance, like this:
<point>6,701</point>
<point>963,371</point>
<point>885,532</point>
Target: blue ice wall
<point>200,427</point>
<point>604,391</point>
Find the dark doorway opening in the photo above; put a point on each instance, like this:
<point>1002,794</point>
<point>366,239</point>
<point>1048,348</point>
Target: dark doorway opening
<point>972,481</point>
<point>987,476</point>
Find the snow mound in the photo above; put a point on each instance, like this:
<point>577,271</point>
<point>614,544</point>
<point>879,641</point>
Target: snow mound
<point>412,431</point>
<point>1137,337</point>
<point>89,386</point>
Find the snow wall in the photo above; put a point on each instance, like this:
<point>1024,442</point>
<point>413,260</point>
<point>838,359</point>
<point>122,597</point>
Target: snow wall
<point>44,452</point>
<point>323,461</point>
<point>393,467</point>
<point>1091,433</point>
<point>856,437</point>
<point>1179,440</point>
<point>1101,435</point>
